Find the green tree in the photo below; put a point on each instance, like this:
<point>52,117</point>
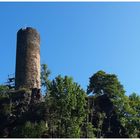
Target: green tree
<point>30,130</point>
<point>102,83</point>
<point>108,96</point>
<point>88,131</point>
<point>45,82</point>
<point>132,116</point>
<point>3,89</point>
<point>66,103</point>
<point>5,110</point>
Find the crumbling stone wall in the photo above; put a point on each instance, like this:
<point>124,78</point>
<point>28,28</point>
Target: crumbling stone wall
<point>27,73</point>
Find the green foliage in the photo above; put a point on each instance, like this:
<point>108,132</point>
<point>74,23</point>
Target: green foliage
<point>102,83</point>
<point>67,112</point>
<point>5,110</point>
<point>132,116</point>
<point>20,102</point>
<point>108,104</point>
<point>30,130</point>
<point>88,131</point>
<point>45,82</point>
<point>66,103</point>
<point>3,89</point>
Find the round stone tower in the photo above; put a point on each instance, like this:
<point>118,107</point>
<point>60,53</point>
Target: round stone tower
<point>27,73</point>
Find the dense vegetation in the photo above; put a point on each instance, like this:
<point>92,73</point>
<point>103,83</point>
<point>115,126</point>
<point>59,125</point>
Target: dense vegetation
<point>67,111</point>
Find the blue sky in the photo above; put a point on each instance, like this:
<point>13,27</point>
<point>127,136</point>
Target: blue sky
<point>77,39</point>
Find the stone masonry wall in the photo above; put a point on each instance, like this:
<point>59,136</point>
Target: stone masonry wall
<point>28,59</point>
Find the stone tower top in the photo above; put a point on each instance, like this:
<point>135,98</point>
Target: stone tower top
<point>30,34</point>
